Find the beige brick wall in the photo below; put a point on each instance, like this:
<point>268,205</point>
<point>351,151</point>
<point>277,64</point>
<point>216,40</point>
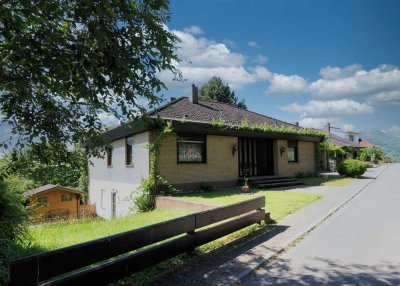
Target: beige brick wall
<point>306,159</point>
<point>221,165</point>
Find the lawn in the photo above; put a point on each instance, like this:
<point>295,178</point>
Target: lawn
<point>278,203</point>
<point>333,181</point>
<point>63,233</point>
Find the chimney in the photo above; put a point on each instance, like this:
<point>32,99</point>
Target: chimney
<point>195,95</point>
<point>171,99</point>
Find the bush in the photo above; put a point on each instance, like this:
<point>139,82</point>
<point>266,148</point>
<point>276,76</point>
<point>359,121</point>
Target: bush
<point>145,201</point>
<point>13,225</point>
<point>207,187</point>
<point>351,168</point>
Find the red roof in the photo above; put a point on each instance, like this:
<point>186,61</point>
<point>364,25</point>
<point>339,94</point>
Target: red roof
<point>366,144</point>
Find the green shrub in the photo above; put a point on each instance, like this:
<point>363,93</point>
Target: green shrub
<point>144,196</point>
<point>13,225</point>
<point>351,168</point>
<point>207,187</point>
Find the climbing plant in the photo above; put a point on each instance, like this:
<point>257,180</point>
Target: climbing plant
<point>144,196</point>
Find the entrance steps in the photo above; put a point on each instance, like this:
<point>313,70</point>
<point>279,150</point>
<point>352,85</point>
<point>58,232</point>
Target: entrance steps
<point>268,182</point>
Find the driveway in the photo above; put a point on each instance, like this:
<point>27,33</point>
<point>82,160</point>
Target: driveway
<point>358,245</point>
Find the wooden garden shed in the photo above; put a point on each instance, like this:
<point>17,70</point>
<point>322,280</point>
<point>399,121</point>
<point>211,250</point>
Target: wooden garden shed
<point>51,201</point>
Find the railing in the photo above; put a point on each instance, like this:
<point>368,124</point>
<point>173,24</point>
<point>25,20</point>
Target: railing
<point>68,265</point>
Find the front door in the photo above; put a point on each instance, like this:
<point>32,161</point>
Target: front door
<point>256,157</point>
<point>265,157</point>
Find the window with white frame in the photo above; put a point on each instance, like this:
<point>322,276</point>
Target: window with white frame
<point>191,149</point>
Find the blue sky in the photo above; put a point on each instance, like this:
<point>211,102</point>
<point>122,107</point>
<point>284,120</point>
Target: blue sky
<point>308,61</point>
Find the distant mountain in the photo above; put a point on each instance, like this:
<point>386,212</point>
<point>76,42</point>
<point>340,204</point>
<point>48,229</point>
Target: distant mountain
<point>389,143</point>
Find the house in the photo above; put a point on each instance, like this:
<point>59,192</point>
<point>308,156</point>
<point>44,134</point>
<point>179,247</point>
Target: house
<point>198,151</point>
<point>51,201</point>
<point>335,140</point>
<point>365,144</point>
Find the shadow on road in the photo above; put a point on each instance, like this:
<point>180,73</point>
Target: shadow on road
<point>325,272</point>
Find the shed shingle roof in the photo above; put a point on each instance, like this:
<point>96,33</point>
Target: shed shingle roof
<point>49,187</point>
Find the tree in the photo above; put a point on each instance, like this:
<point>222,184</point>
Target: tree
<point>215,90</point>
<point>64,63</point>
<point>42,165</point>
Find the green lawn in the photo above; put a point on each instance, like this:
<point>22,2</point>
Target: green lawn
<point>334,181</point>
<point>63,233</point>
<point>278,203</point>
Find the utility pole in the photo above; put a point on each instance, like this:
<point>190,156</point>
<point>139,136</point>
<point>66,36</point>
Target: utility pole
<point>329,127</point>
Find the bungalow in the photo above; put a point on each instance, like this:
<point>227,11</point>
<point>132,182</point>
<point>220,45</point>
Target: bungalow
<point>197,151</point>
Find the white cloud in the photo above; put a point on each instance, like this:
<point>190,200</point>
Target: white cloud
<point>321,123</point>
<point>260,59</point>
<point>389,97</point>
<point>315,108</point>
<point>108,119</point>
<point>203,58</point>
<point>310,122</point>
<point>347,127</point>
<point>333,73</point>
<point>253,44</point>
<point>282,84</point>
<point>194,30</point>
<point>352,81</point>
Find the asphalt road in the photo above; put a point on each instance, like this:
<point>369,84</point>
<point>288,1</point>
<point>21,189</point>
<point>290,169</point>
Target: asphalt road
<point>358,245</point>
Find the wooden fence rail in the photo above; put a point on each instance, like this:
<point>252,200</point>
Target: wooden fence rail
<point>68,265</point>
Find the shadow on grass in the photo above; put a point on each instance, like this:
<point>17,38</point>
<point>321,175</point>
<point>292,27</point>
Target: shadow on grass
<point>200,268</point>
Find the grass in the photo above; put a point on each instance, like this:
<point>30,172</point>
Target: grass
<point>59,234</point>
<point>333,181</point>
<point>278,203</point>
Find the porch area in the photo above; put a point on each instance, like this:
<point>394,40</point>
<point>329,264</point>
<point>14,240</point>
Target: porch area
<point>270,182</point>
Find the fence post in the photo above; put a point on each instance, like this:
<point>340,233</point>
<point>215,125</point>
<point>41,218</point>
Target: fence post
<point>192,233</point>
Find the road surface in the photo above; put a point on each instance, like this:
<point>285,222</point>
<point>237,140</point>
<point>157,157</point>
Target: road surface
<point>358,245</point>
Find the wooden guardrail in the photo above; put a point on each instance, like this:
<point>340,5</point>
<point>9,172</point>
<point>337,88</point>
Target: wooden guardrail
<point>69,265</point>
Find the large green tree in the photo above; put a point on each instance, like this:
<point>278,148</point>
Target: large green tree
<point>216,90</point>
<point>43,165</point>
<point>64,63</point>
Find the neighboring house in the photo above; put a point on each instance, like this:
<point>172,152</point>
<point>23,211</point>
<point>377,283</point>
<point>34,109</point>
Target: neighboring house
<point>366,144</point>
<point>51,201</point>
<point>352,136</point>
<point>197,152</point>
<point>330,163</point>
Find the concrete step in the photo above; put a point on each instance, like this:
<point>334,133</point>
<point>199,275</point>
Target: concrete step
<point>278,185</point>
<point>275,181</point>
<point>264,178</point>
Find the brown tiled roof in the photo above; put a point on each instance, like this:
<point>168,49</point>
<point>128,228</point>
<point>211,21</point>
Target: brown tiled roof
<point>341,142</point>
<point>206,111</point>
<point>366,144</point>
<point>49,187</point>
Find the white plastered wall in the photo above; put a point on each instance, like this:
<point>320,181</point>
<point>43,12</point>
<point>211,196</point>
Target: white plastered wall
<point>118,178</point>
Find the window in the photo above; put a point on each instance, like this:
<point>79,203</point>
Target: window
<point>109,158</point>
<point>66,197</point>
<point>42,201</point>
<point>191,149</point>
<point>351,137</point>
<point>128,150</point>
<point>292,151</point>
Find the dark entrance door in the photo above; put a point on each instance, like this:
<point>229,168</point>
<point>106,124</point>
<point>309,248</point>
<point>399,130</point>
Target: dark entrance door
<point>265,157</point>
<point>256,155</point>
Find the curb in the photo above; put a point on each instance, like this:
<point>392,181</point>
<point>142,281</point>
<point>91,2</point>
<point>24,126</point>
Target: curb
<point>261,260</point>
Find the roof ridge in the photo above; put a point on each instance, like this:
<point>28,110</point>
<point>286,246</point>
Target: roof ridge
<point>247,110</point>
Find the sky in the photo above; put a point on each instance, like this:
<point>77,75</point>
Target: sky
<point>305,61</point>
